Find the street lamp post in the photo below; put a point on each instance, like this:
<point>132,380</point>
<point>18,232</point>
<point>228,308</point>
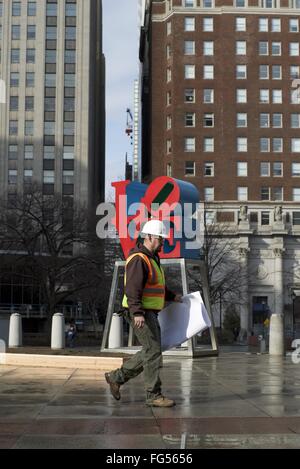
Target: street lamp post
<point>293,314</point>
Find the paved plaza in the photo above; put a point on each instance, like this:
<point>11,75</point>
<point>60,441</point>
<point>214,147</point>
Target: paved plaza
<point>238,400</point>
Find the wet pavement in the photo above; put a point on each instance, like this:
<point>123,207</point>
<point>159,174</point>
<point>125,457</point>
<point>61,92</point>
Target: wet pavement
<point>237,400</point>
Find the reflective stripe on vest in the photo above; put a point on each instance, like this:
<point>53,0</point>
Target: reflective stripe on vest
<point>154,290</point>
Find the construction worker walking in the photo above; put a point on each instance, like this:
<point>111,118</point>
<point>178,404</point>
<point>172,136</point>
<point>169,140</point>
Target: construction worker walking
<point>145,296</point>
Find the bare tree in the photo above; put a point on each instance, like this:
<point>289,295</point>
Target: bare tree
<point>49,238</point>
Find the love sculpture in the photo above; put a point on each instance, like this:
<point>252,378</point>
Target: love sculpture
<point>170,200</point>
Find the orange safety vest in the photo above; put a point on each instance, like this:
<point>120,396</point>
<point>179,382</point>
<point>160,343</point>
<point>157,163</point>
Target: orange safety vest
<point>154,291</point>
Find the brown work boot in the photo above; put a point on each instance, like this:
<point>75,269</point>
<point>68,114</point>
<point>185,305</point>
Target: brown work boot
<point>114,387</point>
<point>160,401</point>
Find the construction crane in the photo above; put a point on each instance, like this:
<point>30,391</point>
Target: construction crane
<point>129,125</point>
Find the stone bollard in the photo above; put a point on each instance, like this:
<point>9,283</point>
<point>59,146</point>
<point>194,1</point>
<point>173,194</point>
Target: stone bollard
<point>276,338</point>
<point>115,339</point>
<point>58,331</point>
<point>15,330</point>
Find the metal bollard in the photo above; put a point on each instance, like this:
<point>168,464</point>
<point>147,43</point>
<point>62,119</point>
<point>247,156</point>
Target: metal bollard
<point>115,339</point>
<point>15,331</point>
<point>58,331</point>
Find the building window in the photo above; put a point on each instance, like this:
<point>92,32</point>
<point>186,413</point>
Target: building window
<point>295,145</point>
<point>16,8</point>
<point>189,47</point>
<point>264,144</point>
<point>169,28</point>
<point>209,194</point>
<point>49,128</point>
<point>14,79</point>
<point>294,49</point>
<point>169,146</point>
<point>208,144</point>
<point>208,120</point>
<point>241,48</point>
<point>30,79</point>
<point>242,193</point>
<point>294,71</point>
<point>277,143</point>
<point>241,72</point>
<point>190,119</point>
<point>269,3</point>
<point>29,128</point>
<point>189,144</point>
<point>295,121</point>
<point>276,72</point>
<point>50,80</point>
<point>264,72</point>
<point>15,56</point>
<point>12,176</point>
<point>71,9</point>
<point>68,177</point>
<point>278,193</point>
<point>15,32</point>
<point>189,72</point>
<point>240,24</point>
<point>208,96</point>
<point>189,95</point>
<point>277,120</point>
<point>13,127</point>
<point>296,218</point>
<point>169,74</point>
<point>68,153</point>
<point>276,48</point>
<point>189,23</point>
<point>264,96</point>
<point>30,56</point>
<point>242,144</point>
<point>13,152</point>
<point>296,194</point>
<point>49,152</point>
<point>28,152</point>
<point>265,218</point>
<point>208,3</point>
<point>264,169</point>
<point>295,3</point>
<point>48,177</point>
<point>265,193</point>
<point>241,3</point>
<point>276,25</point>
<point>296,169</point>
<point>190,168</point>
<point>264,120</point>
<point>29,103</point>
<point>208,72</point>
<point>263,48</point>
<point>169,98</point>
<point>209,169</point>
<point>241,119</point>
<point>277,169</point>
<point>293,25</point>
<point>263,25</point>
<point>208,48</point>
<point>188,3</point>
<point>14,103</point>
<point>277,96</point>
<point>208,24</point>
<point>28,173</point>
<point>31,31</point>
<point>31,9</point>
<point>169,169</point>
<point>51,9</point>
<point>241,95</point>
<point>242,169</point>
<point>169,122</point>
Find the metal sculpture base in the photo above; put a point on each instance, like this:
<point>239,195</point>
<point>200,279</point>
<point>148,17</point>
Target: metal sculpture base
<point>189,348</point>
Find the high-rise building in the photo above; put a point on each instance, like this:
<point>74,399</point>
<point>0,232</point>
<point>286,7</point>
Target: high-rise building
<point>52,126</point>
<point>221,109</point>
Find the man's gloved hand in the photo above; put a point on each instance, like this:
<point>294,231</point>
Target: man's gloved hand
<point>139,321</point>
<point>178,299</point>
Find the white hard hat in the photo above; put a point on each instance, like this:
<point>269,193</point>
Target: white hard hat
<point>155,227</point>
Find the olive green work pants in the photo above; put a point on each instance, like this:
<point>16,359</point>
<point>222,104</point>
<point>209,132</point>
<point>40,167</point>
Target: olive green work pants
<point>148,359</point>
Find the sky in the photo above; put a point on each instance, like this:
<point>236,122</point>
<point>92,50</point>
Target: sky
<point>120,45</point>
